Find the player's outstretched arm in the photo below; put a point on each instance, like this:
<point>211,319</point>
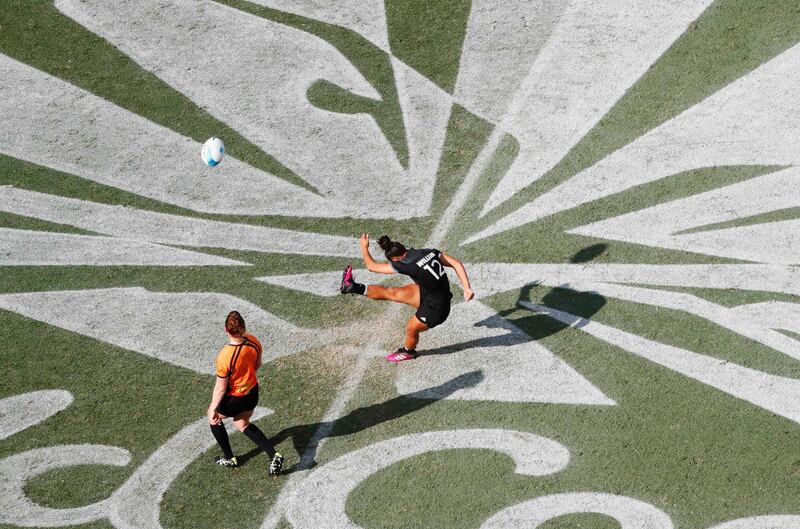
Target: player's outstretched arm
<point>461,272</point>
<point>369,262</point>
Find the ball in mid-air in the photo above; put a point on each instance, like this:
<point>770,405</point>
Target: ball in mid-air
<point>212,152</point>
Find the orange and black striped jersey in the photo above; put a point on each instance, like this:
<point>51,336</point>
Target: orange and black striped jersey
<point>237,363</point>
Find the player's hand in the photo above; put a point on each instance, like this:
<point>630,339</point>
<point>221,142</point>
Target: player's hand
<point>468,294</point>
<point>364,241</point>
<point>213,417</point>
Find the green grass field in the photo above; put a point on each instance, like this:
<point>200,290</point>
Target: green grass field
<point>688,447</point>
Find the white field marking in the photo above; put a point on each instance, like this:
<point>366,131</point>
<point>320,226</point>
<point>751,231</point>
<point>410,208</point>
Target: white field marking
<point>136,504</point>
<point>343,395</point>
<point>731,319</point>
<point>254,74</point>
<point>515,368</point>
<point>769,392</point>
<point>775,521</point>
<point>16,470</point>
<point>628,512</point>
<point>452,213</point>
<point>20,412</point>
<point>426,112</point>
<point>753,121</point>
<point>501,43</point>
<point>772,314</point>
<point>502,277</point>
<point>165,228</point>
<point>594,55</point>
<point>365,17</point>
<point>52,123</point>
<point>320,499</point>
<point>144,322</point>
<point>773,242</point>
<point>324,283</point>
<point>44,248</point>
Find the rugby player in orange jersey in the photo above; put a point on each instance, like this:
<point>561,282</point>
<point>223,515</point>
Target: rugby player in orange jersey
<point>236,393</point>
<point>429,294</point>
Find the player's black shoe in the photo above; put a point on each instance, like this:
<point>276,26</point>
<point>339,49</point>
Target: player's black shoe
<point>227,462</point>
<point>276,464</point>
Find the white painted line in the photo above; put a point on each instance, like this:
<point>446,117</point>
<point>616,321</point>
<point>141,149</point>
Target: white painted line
<point>515,368</point>
<point>753,121</point>
<point>501,44</point>
<point>774,242</point>
<point>502,277</point>
<point>594,55</point>
<point>365,17</point>
<point>769,392</point>
<point>20,412</point>
<point>147,322</point>
<point>628,512</point>
<point>44,248</point>
<point>731,319</point>
<point>772,314</point>
<point>238,72</point>
<point>775,521</point>
<point>339,404</point>
<point>52,123</point>
<point>324,283</point>
<point>164,228</point>
<point>320,499</point>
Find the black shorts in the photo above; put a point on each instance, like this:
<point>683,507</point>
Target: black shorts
<point>433,310</point>
<point>231,406</point>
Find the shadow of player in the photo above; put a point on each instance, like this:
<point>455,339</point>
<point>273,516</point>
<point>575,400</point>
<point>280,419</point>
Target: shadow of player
<point>536,326</point>
<point>363,418</point>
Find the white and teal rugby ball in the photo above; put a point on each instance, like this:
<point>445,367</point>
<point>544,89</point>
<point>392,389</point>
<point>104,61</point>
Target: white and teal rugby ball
<point>213,151</point>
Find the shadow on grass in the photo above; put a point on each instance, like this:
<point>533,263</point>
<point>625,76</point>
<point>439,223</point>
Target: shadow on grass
<point>363,418</point>
<point>536,326</point>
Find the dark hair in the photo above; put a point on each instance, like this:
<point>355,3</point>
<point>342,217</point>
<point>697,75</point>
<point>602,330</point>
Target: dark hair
<point>391,248</point>
<point>234,324</point>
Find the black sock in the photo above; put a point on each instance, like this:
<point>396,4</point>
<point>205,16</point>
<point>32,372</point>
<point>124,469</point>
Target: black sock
<point>257,436</point>
<point>222,439</point>
<point>358,288</point>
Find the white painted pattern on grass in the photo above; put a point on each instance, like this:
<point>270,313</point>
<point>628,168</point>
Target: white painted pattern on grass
<point>426,112</point>
<point>773,242</point>
<point>503,277</point>
<point>135,505</point>
<point>44,248</point>
<point>770,392</point>
<point>326,284</point>
<point>597,51</point>
<point>254,74</point>
<point>52,123</point>
<point>772,314</point>
<point>20,412</point>
<point>501,43</point>
<point>365,17</point>
<point>515,367</point>
<point>15,506</point>
<point>164,228</point>
<point>320,499</point>
<point>628,512</point>
<point>777,521</point>
<point>757,329</point>
<point>753,121</point>
<point>146,322</point>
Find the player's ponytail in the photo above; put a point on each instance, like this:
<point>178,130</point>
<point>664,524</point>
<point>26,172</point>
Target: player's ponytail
<point>391,248</point>
<point>234,324</point>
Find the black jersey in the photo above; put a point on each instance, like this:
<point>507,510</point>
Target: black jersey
<point>425,268</point>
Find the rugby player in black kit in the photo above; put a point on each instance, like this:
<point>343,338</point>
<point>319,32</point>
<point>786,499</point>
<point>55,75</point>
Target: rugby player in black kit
<point>429,294</point>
